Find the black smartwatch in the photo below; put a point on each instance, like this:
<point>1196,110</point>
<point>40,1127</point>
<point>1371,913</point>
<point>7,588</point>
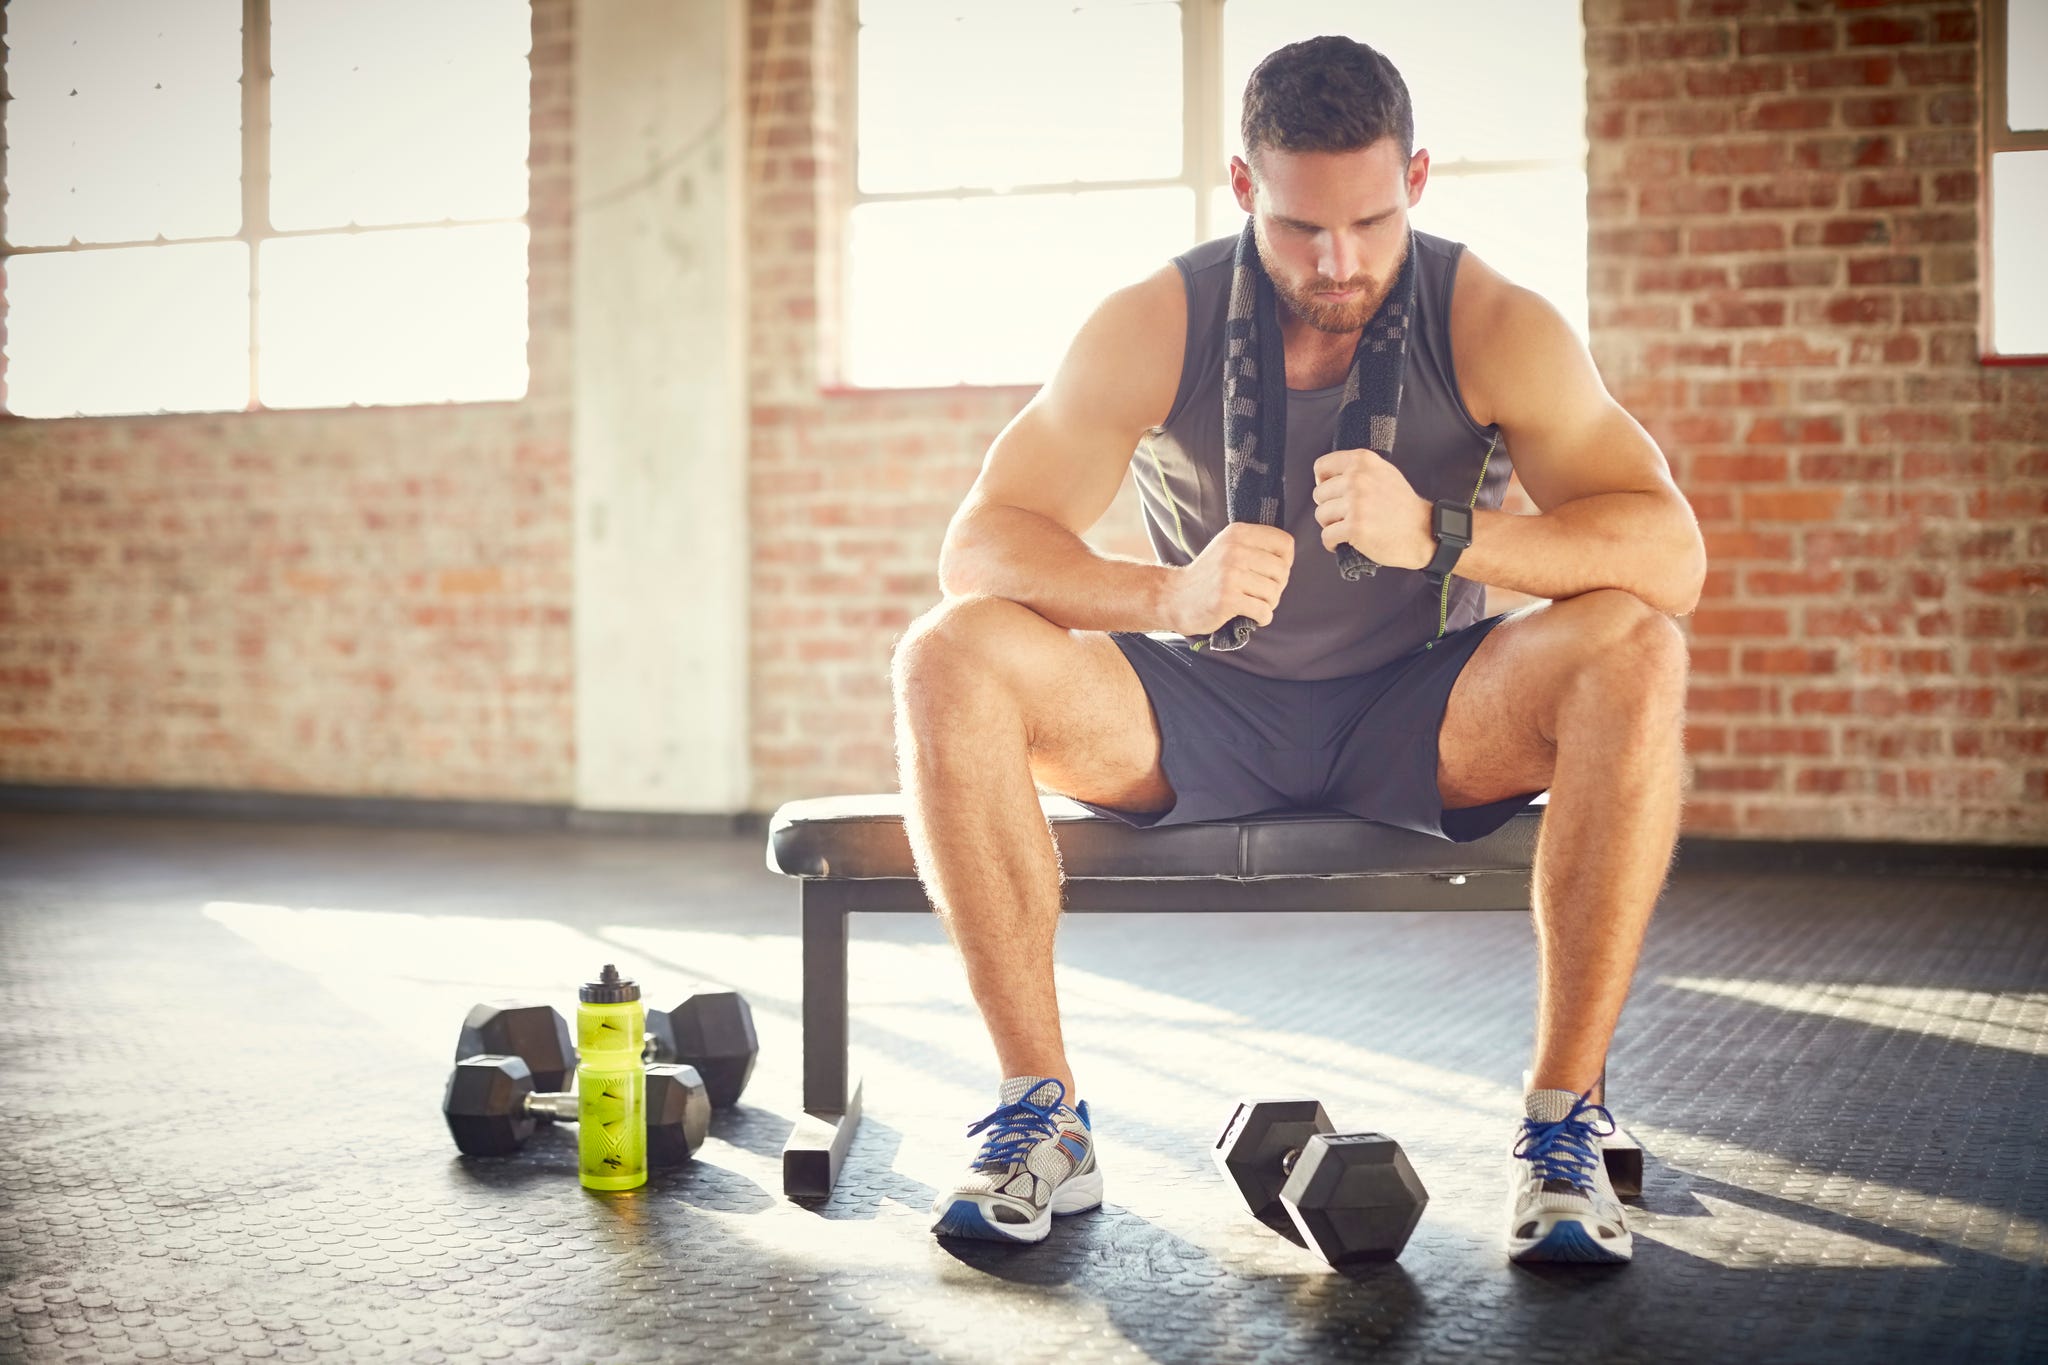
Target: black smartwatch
<point>1452,523</point>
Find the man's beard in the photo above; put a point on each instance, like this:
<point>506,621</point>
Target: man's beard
<point>1331,315</point>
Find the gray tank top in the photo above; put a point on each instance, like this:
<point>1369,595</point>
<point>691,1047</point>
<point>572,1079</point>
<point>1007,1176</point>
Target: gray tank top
<point>1325,626</point>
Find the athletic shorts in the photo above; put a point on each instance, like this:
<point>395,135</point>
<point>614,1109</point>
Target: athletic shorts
<point>1236,743</point>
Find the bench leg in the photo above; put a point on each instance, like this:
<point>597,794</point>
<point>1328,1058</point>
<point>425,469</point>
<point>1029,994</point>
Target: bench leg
<point>816,1149</point>
<point>1622,1155</point>
<point>817,1145</point>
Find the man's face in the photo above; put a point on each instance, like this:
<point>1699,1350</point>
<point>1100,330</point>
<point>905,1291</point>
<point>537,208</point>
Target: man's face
<point>1331,221</point>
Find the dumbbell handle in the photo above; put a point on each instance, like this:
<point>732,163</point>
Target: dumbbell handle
<point>554,1106</point>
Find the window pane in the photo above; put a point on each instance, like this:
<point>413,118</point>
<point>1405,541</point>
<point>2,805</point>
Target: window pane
<point>1529,225</point>
<point>991,290</point>
<point>2019,268</point>
<point>1019,94</point>
<point>1226,219</point>
<point>123,121</point>
<point>1518,95</point>
<point>2026,57</point>
<point>427,315</point>
<point>930,11</point>
<point>129,330</point>
<point>390,111</point>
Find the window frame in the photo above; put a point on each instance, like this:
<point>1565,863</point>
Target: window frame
<point>1203,170</point>
<point>256,228</point>
<point>1997,136</point>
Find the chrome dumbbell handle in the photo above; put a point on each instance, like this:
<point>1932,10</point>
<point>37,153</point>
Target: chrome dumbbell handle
<point>561,1107</point>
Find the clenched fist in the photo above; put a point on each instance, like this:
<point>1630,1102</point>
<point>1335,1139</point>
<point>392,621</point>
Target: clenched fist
<point>1363,499</point>
<point>1240,572</point>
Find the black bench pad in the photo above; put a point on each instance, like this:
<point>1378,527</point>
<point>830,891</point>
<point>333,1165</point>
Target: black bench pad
<point>860,837</point>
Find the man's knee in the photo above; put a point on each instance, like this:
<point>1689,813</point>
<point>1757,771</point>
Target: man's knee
<point>958,644</point>
<point>1633,654</point>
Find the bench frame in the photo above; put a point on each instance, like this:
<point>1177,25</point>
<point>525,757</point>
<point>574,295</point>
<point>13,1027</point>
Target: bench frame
<point>816,1149</point>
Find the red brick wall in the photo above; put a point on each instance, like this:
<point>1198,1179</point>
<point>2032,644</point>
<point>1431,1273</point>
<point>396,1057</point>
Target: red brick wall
<point>1784,248</point>
<point>368,602</point>
<point>1783,282</point>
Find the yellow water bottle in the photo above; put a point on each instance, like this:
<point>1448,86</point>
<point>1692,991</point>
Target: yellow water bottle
<point>611,1086</point>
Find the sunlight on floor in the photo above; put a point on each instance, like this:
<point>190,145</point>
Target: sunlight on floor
<point>1145,1052</point>
<point>2014,1020</point>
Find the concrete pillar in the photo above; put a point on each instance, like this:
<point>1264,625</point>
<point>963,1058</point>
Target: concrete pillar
<point>660,429</point>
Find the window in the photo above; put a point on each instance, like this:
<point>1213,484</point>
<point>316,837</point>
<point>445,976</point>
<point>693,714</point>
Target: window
<point>323,207</point>
<point>2013,294</point>
<point>992,205</point>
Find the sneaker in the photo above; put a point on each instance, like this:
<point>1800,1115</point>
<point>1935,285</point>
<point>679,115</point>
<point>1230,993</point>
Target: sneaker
<point>1038,1159</point>
<point>1562,1205</point>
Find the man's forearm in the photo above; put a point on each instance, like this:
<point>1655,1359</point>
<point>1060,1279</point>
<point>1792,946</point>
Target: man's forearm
<point>1639,542</point>
<point>1009,552</point>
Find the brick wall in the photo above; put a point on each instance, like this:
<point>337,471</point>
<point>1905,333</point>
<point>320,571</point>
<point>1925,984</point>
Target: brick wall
<point>362,602</point>
<point>1783,278</point>
<point>1784,249</point>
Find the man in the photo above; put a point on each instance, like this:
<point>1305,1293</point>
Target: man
<point>1050,667</point>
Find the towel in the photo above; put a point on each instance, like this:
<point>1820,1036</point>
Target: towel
<point>1255,402</point>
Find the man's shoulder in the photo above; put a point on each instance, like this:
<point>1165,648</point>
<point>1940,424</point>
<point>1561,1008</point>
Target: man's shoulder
<point>1477,296</point>
<point>1218,253</point>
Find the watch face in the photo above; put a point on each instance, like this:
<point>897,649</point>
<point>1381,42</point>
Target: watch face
<point>1457,522</point>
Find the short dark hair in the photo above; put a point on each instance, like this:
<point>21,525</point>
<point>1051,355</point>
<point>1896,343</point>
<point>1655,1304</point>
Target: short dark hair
<point>1326,94</point>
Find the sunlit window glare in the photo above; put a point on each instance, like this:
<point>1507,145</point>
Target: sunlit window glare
<point>945,289</point>
<point>2019,206</point>
<point>124,128</point>
<point>421,316</point>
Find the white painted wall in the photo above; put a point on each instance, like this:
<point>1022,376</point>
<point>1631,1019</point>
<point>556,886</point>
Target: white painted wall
<point>660,407</point>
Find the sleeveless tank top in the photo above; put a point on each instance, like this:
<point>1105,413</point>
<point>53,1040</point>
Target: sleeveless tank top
<point>1324,626</point>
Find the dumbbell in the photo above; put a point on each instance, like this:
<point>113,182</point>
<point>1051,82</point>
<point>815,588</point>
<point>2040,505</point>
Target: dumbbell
<point>1349,1197</point>
<point>712,1031</point>
<point>492,1108</point>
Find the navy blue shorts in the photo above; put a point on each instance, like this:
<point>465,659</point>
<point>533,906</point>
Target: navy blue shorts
<point>1237,744</point>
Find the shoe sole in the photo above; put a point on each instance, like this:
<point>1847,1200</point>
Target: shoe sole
<point>965,1218</point>
<point>1568,1240</point>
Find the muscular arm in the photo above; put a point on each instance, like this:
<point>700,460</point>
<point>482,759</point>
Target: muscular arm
<point>1610,517</point>
<point>1055,469</point>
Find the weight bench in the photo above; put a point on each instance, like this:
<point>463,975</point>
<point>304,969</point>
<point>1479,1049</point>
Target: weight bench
<point>851,854</point>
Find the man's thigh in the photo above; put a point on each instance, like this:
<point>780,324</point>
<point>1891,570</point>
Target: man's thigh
<point>1499,730</point>
<point>1090,730</point>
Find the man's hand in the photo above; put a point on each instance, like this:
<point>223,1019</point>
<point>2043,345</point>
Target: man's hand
<point>1363,499</point>
<point>1241,572</point>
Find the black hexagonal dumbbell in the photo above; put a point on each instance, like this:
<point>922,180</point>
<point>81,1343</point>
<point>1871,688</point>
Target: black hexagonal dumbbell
<point>492,1108</point>
<point>712,1031</point>
<point>536,1034</point>
<point>1349,1197</point>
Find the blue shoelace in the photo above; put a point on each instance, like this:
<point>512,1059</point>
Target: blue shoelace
<point>1014,1129</point>
<point>1568,1149</point>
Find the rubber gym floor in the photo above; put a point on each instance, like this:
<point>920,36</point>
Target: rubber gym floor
<point>225,1044</point>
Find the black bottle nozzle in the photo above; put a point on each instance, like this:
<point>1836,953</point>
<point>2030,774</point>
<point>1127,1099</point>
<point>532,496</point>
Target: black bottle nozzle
<point>609,989</point>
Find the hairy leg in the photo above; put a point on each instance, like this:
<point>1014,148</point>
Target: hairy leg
<point>992,702</point>
<point>1585,697</point>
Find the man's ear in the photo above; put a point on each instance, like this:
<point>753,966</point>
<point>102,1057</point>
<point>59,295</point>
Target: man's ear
<point>1239,167</point>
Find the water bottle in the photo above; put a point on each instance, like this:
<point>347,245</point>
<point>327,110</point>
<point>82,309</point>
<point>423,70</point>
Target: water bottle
<point>611,1087</point>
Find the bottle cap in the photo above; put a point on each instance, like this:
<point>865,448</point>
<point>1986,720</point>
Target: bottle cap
<point>609,989</point>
